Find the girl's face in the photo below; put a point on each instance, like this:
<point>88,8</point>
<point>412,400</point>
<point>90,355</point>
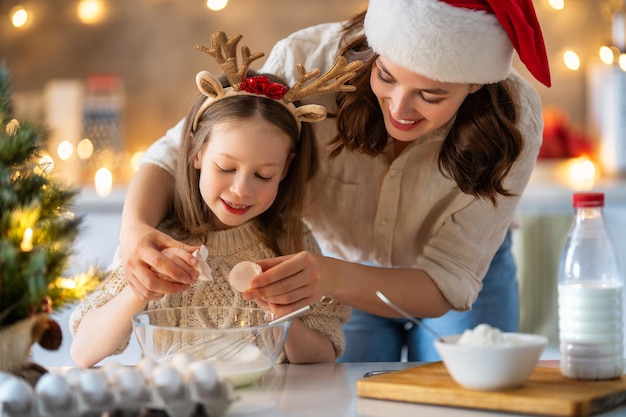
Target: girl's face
<point>241,165</point>
<point>413,105</point>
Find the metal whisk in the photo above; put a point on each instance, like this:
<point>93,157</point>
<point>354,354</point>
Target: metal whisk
<point>231,349</point>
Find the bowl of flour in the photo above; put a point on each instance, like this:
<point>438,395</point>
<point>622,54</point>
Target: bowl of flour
<point>487,359</point>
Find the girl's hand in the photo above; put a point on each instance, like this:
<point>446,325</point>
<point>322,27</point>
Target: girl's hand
<point>288,282</point>
<point>149,271</point>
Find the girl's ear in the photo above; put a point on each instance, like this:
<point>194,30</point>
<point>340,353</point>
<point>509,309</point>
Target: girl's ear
<point>287,164</point>
<point>197,160</point>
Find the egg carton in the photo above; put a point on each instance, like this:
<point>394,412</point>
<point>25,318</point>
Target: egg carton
<point>190,402</point>
<point>95,395</point>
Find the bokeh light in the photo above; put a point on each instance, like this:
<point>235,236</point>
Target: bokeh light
<point>19,16</point>
<point>90,11</point>
<point>104,182</point>
<point>135,160</point>
<point>65,150</point>
<point>216,5</point>
<point>606,55</point>
<point>571,60</point>
<point>84,149</point>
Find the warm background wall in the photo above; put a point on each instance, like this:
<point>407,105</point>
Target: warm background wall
<point>149,43</point>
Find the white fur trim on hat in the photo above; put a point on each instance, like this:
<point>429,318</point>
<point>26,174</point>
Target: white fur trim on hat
<point>440,41</point>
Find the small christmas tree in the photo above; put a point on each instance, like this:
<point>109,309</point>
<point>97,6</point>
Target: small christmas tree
<point>37,230</point>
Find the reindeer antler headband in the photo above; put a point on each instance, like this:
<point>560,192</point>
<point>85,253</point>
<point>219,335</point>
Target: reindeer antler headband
<point>224,50</point>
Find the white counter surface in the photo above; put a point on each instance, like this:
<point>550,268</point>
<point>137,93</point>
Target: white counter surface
<point>329,390</point>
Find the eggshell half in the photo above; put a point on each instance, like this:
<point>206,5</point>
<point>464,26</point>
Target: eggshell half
<point>242,273</point>
<point>203,267</point>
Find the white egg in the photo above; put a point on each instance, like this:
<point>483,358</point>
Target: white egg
<point>202,373</point>
<point>94,386</point>
<point>168,379</point>
<point>54,390</point>
<point>4,376</point>
<point>146,367</point>
<point>181,361</point>
<point>242,273</point>
<point>109,370</point>
<point>73,376</point>
<point>16,396</point>
<point>130,382</point>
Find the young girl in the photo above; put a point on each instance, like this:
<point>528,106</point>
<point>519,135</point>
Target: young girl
<point>244,162</point>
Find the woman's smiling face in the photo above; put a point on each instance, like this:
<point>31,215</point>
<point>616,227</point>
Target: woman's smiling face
<point>241,166</point>
<point>413,105</point>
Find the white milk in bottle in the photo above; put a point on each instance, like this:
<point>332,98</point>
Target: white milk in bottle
<point>590,296</point>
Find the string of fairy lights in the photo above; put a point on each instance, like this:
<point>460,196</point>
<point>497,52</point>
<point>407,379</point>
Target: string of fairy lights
<point>87,11</point>
<point>92,12</point>
<point>614,53</point>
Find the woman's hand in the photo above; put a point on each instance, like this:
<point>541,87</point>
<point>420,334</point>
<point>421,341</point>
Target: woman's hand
<point>156,264</point>
<point>289,282</point>
<point>293,281</point>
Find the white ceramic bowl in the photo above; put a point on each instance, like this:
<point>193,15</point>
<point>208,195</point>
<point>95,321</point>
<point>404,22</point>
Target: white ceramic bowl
<point>238,342</point>
<point>492,367</point>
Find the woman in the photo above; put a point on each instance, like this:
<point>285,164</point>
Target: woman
<point>421,173</point>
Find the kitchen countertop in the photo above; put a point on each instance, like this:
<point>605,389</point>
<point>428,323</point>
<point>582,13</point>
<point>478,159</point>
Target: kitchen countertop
<point>329,390</point>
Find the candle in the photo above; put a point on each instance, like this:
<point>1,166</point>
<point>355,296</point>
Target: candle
<point>27,240</point>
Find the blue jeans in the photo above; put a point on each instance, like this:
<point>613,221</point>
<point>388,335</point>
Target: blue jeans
<point>371,338</point>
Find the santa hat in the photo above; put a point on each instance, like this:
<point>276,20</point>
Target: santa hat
<point>463,41</point>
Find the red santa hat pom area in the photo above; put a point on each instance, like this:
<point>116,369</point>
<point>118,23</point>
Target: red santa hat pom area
<point>461,41</point>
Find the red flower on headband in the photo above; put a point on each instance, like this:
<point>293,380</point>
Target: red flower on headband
<point>262,85</point>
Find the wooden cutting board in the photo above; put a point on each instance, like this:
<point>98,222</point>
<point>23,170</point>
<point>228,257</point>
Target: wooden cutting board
<point>547,392</point>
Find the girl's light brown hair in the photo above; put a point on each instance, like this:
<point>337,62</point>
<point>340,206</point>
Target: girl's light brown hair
<point>280,227</point>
